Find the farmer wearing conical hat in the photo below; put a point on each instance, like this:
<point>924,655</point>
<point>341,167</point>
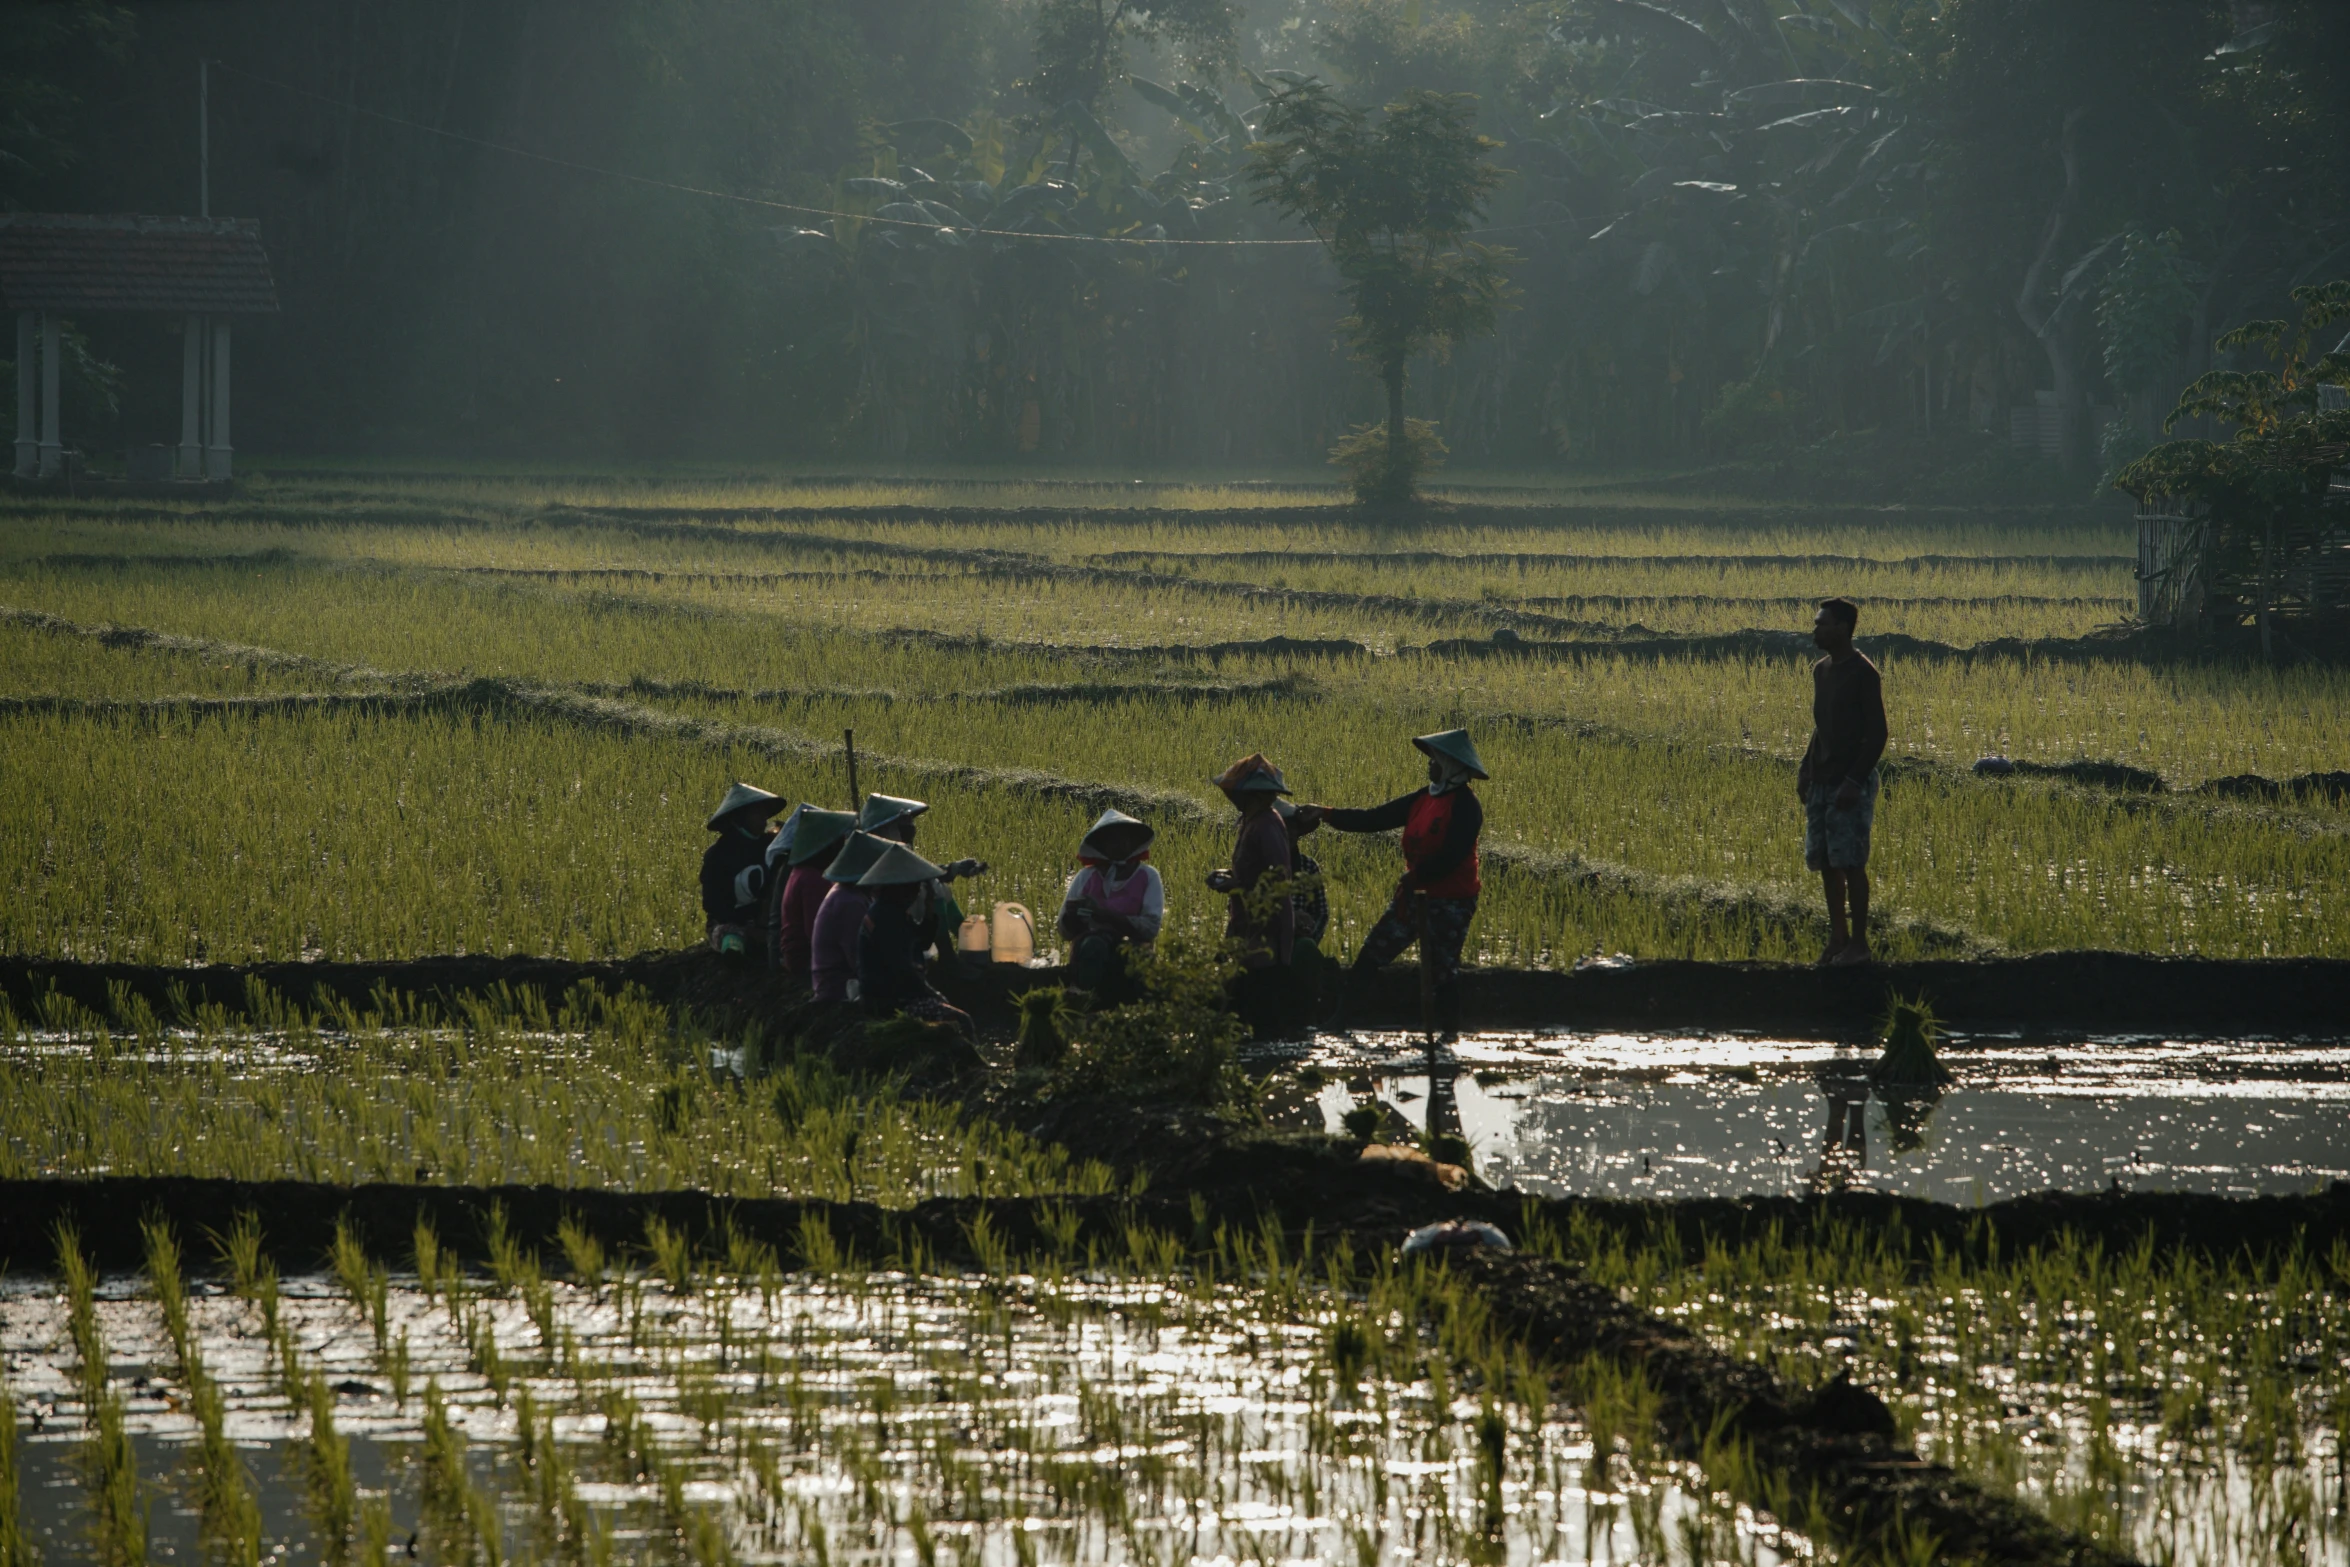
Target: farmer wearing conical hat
<point>897,932</point>
<point>1259,876</point>
<point>1440,826</point>
<point>892,817</point>
<point>796,865</point>
<point>734,869</point>
<point>840,918</point>
<point>1115,901</point>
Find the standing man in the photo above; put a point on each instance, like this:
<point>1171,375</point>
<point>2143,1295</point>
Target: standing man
<point>1838,779</point>
<point>1441,823</point>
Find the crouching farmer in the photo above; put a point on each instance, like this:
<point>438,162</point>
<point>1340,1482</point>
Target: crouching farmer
<point>898,926</point>
<point>1114,903</point>
<point>795,873</point>
<point>734,870</point>
<point>1441,824</point>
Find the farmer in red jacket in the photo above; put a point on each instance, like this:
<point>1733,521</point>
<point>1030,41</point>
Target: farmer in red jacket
<point>1440,826</point>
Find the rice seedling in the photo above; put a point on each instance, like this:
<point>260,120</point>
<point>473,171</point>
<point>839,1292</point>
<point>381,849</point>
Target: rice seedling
<point>2173,1406</point>
<point>118,1504</point>
<point>16,1541</point>
<point>1607,757</point>
<point>500,1099</point>
<point>1102,1415</point>
<point>367,1283</point>
<point>229,1515</point>
<point>324,1459</point>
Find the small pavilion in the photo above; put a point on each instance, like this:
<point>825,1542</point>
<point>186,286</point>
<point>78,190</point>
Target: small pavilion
<point>208,270</point>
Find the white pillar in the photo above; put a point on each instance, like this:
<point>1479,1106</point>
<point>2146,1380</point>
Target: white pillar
<point>52,447</point>
<point>216,456</point>
<point>28,443</point>
<point>191,460</point>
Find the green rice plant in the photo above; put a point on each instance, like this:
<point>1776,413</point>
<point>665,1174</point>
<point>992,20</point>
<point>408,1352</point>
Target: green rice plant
<point>118,1507</point>
<point>16,1541</point>
<point>81,1316</point>
<point>240,1249</point>
<point>503,1104</point>
<point>324,1461</point>
<point>1594,743</point>
<point>2180,1390</point>
<point>368,1283</point>
<point>425,1248</point>
<point>671,1253</point>
<point>583,1252</point>
<point>375,1527</point>
<point>444,1487</point>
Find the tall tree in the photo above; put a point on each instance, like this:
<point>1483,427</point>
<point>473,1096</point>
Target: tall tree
<point>1391,196</point>
<point>1081,44</point>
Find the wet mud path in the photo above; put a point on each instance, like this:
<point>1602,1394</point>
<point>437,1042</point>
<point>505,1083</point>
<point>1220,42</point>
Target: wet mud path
<point>2056,993</point>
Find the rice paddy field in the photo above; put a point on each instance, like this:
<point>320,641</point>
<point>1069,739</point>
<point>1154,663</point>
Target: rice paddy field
<point>381,716</point>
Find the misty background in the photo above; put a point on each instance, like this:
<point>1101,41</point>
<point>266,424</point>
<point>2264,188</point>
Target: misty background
<point>1941,247</point>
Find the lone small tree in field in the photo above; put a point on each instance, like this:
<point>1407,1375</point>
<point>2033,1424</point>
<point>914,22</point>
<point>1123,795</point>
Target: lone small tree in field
<point>1391,195</point>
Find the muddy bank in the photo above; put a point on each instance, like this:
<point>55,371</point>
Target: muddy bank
<point>2216,1227</point>
<point>1836,1444</point>
<point>2052,994</point>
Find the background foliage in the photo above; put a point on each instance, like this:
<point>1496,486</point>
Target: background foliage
<point>1807,232</point>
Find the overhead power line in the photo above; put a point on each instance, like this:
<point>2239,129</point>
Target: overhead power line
<point>735,196</point>
<point>786,206</point>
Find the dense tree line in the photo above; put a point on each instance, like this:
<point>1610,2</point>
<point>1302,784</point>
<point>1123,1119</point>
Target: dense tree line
<point>1740,225</point>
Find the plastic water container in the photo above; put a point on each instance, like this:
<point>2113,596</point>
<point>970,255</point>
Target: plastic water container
<point>1012,937</point>
<point>974,939</point>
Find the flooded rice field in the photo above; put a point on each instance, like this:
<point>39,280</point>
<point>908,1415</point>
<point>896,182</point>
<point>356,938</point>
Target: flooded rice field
<point>1130,1415</point>
<point>1713,1116</point>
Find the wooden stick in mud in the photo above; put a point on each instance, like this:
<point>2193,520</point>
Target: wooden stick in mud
<point>1427,970</point>
<point>848,740</point>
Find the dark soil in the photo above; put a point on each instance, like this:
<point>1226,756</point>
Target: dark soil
<point>2054,994</point>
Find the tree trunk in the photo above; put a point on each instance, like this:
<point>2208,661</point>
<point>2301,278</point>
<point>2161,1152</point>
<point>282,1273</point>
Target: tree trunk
<point>2048,319</point>
<point>1393,375</point>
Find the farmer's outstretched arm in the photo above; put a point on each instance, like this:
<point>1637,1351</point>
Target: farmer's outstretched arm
<point>1379,818</point>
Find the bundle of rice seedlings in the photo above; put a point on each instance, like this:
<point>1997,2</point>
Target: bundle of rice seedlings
<point>1042,1042</point>
<point>1911,1030</point>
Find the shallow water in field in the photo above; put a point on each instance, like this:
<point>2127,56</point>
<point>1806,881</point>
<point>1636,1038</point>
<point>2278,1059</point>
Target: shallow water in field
<point>1705,1116</point>
<point>873,1418</point>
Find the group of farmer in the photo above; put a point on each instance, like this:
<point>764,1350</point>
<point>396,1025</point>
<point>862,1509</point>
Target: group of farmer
<point>841,900</point>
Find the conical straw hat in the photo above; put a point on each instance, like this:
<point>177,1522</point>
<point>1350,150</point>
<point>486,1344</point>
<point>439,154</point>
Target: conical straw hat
<point>1251,774</point>
<point>818,831</point>
<point>743,797</point>
<point>899,866</point>
<point>780,841</point>
<point>1454,745</point>
<point>882,809</point>
<point>855,858</point>
<point>1117,836</point>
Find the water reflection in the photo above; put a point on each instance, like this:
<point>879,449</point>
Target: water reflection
<point>1713,1117</point>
